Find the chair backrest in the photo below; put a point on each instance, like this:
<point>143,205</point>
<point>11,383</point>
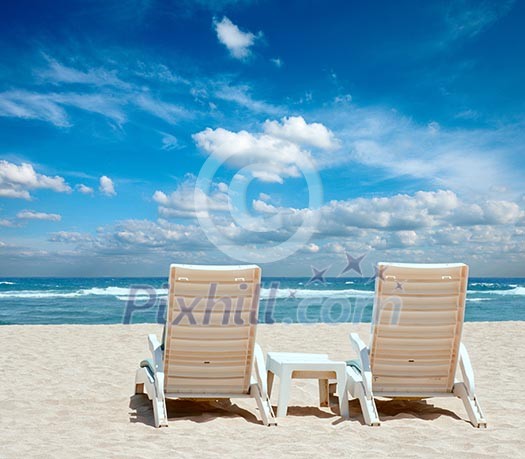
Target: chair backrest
<point>211,325</point>
<point>416,327</point>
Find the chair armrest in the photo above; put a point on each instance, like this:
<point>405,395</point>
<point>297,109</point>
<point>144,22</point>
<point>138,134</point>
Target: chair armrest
<point>466,370</point>
<point>363,352</point>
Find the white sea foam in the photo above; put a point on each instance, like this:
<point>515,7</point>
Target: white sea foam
<point>515,291</point>
<point>307,293</point>
<point>126,293</point>
<point>7,283</point>
<point>518,291</point>
<point>38,294</point>
<point>120,292</point>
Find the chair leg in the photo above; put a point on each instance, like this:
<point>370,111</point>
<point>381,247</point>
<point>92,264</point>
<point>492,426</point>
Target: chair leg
<point>263,403</point>
<point>368,406</point>
<point>472,406</point>
<point>159,412</point>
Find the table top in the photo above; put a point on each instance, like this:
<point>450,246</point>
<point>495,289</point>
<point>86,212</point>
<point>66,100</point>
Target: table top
<point>301,360</point>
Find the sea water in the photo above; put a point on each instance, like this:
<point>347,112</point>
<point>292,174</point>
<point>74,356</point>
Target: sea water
<point>142,300</point>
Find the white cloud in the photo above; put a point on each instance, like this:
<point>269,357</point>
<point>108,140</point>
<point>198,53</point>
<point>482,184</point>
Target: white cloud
<point>97,90</point>
<point>49,106</point>
<point>241,95</point>
<point>70,237</point>
<point>84,189</point>
<point>237,41</point>
<point>6,223</point>
<point>106,186</point>
<point>277,62</point>
<point>166,111</point>
<point>57,72</point>
<point>271,159</point>
<point>169,142</point>
<point>272,155</point>
<point>32,215</point>
<point>28,105</point>
<point>297,130</point>
<point>145,235</point>
<point>263,207</point>
<point>468,161</point>
<point>16,181</point>
<point>467,19</point>
<point>423,209</point>
<point>188,200</point>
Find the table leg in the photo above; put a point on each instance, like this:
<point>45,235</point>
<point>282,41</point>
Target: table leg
<point>342,394</point>
<point>323,393</point>
<point>269,382</point>
<point>285,383</point>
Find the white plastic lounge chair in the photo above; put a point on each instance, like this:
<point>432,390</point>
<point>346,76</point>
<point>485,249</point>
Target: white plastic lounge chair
<point>209,348</point>
<point>415,349</point>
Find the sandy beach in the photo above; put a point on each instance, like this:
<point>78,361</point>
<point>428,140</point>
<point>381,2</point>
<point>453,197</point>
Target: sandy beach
<point>67,391</point>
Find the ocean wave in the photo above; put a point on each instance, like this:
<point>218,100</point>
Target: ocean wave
<point>38,294</point>
<point>123,292</point>
<point>7,283</point>
<point>307,293</point>
<point>477,300</point>
<point>518,291</point>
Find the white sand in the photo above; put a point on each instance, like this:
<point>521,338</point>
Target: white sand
<point>67,391</point>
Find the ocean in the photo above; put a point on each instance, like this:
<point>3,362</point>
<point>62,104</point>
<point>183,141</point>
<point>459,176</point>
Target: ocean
<point>143,300</point>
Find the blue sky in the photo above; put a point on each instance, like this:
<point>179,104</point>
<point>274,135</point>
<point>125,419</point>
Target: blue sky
<point>411,114</point>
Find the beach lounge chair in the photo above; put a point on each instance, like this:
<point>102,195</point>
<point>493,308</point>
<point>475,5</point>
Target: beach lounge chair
<point>415,349</point>
<point>208,350</point>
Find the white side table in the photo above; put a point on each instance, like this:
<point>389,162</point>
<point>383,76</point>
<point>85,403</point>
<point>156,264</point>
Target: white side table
<point>291,365</point>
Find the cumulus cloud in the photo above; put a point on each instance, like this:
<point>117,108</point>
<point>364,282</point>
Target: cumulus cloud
<point>84,189</point>
<point>297,130</point>
<point>16,181</point>
<point>106,186</point>
<point>424,209</point>
<point>237,41</point>
<point>272,155</point>
<point>32,215</point>
<point>6,223</point>
<point>148,236</point>
<point>188,200</point>
<point>70,237</point>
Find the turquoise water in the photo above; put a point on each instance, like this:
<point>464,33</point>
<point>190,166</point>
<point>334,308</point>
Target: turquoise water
<point>140,300</point>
